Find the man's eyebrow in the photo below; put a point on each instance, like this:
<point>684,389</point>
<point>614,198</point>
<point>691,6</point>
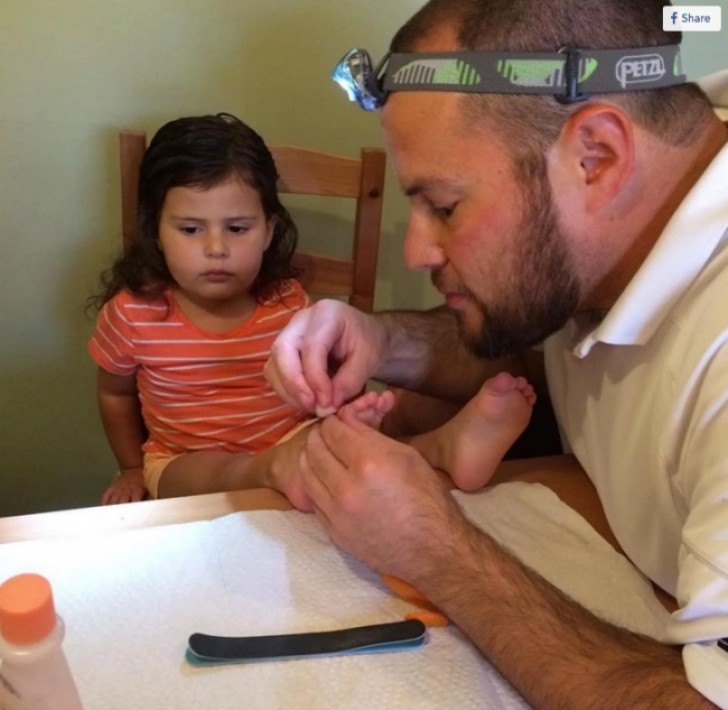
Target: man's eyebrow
<point>419,186</point>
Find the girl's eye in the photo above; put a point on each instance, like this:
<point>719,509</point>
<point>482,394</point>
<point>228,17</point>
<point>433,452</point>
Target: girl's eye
<point>189,229</point>
<point>238,228</point>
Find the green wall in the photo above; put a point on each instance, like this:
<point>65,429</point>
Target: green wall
<point>72,74</point>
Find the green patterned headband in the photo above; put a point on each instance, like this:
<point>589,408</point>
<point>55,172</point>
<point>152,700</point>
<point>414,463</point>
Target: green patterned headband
<point>569,75</point>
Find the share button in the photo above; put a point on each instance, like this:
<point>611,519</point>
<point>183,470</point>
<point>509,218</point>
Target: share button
<point>691,18</point>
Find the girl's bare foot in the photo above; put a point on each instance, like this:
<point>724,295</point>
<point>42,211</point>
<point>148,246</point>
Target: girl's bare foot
<point>471,445</point>
<point>368,409</point>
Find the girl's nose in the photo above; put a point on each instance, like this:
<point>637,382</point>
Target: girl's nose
<point>422,250</point>
<point>215,244</point>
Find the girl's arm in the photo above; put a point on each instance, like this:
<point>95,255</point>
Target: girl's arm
<point>122,419</point>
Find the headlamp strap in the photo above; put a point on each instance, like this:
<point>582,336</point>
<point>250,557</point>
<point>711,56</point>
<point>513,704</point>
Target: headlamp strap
<point>570,74</point>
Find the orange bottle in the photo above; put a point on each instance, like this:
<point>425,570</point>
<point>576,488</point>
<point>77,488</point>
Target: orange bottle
<point>34,674</point>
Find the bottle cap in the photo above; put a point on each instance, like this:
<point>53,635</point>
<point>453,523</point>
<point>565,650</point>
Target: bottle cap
<point>27,614</point>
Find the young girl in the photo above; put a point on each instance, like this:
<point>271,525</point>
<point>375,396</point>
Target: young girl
<point>188,316</point>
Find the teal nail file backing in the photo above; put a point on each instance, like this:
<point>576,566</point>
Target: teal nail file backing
<point>204,650</point>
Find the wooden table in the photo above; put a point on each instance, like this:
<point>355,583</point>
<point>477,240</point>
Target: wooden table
<point>126,516</point>
<point>562,474</point>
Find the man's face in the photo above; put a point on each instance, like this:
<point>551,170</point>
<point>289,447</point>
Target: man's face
<point>492,243</point>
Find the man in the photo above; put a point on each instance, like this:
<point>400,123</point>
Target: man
<point>598,228</point>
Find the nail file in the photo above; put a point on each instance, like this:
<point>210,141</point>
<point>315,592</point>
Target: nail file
<point>204,649</point>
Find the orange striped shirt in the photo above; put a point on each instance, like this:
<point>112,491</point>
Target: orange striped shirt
<point>198,390</point>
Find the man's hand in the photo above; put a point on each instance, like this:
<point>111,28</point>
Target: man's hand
<point>378,498</point>
<point>325,355</point>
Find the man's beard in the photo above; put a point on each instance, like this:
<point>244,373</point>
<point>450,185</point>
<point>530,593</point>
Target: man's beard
<point>544,291</point>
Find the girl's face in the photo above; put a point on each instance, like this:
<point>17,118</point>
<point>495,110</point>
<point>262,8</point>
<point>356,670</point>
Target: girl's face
<point>213,241</point>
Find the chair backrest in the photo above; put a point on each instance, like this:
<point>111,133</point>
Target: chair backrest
<point>303,172</point>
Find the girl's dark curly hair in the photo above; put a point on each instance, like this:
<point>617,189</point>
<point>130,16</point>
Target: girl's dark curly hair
<point>200,151</point>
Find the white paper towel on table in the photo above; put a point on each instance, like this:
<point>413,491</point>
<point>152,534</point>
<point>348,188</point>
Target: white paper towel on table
<point>131,599</point>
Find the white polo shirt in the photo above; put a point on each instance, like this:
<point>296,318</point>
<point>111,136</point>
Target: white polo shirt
<point>642,401</point>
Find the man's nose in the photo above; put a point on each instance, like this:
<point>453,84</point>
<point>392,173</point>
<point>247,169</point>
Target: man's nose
<point>422,248</point>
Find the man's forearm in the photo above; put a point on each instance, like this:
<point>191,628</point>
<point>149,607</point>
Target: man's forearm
<point>425,354</point>
<point>556,653</point>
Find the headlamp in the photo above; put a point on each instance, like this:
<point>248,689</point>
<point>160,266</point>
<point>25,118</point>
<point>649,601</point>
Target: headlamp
<point>355,75</point>
<point>571,74</point>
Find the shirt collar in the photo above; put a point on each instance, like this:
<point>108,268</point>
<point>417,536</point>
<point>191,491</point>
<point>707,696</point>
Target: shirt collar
<point>716,87</point>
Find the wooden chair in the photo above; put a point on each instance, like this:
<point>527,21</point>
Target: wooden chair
<point>304,172</point>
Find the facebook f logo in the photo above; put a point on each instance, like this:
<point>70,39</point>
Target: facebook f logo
<point>673,17</point>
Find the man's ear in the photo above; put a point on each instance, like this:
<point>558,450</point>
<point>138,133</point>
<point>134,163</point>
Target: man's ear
<point>595,153</point>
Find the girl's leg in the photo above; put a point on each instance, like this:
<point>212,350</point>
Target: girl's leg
<point>214,471</point>
<point>206,472</point>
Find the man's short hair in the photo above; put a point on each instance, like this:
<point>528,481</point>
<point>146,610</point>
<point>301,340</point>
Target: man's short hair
<point>674,114</point>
